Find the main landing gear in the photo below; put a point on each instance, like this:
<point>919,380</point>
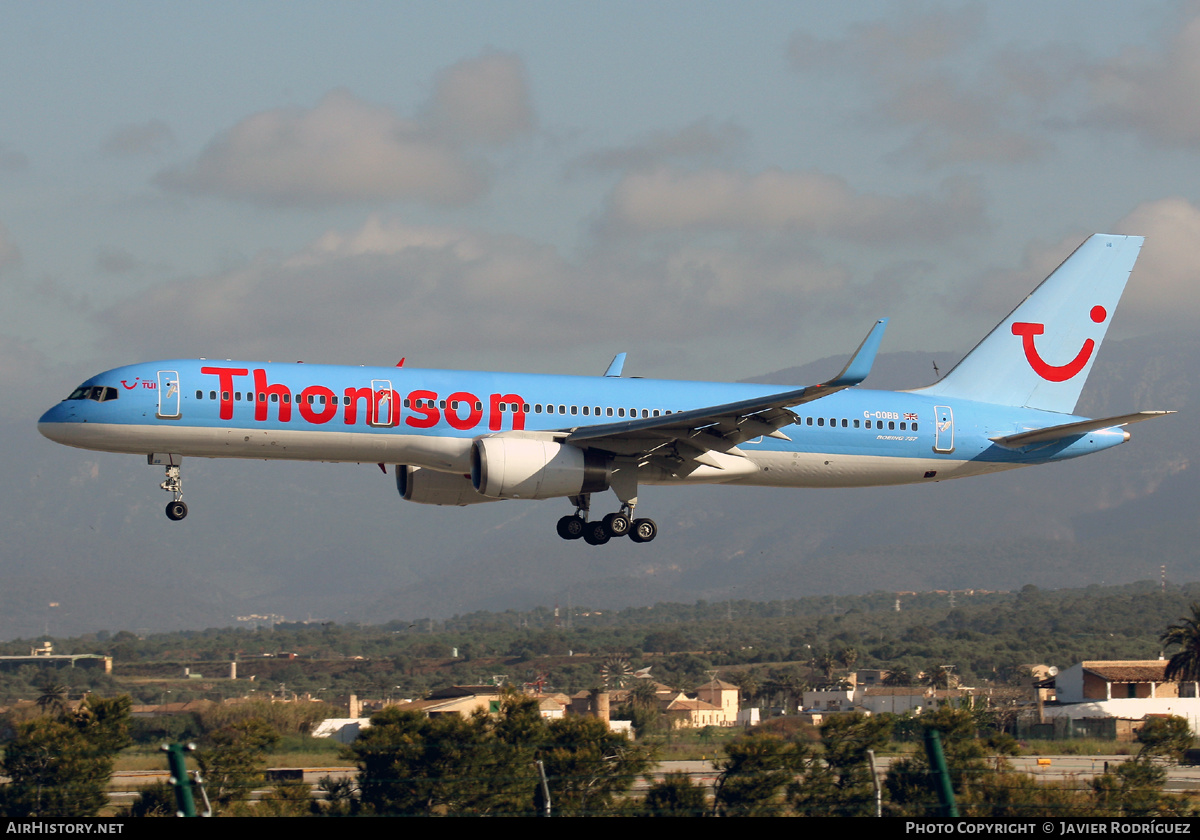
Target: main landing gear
<point>576,525</point>
<point>176,508</point>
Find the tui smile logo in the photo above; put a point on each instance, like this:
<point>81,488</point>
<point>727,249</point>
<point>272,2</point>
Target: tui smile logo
<point>1049,372</point>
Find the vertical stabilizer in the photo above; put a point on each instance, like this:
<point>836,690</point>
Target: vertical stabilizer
<point>1041,354</point>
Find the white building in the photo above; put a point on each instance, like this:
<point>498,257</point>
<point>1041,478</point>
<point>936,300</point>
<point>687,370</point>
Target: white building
<point>1128,689</point>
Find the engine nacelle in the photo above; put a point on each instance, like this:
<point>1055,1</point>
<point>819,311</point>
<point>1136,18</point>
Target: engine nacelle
<point>430,487</point>
<point>527,468</point>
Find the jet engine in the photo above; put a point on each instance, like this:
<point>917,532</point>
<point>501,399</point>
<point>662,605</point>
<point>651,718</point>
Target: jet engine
<point>430,487</point>
<point>527,468</point>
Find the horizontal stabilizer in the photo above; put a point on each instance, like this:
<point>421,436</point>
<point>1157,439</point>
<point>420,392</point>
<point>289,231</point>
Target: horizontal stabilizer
<point>1066,430</point>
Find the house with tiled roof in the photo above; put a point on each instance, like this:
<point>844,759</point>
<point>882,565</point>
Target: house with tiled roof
<point>724,696</point>
<point>462,700</point>
<point>697,713</point>
<point>1129,689</point>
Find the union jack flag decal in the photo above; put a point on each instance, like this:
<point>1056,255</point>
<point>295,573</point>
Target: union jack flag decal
<point>908,415</point>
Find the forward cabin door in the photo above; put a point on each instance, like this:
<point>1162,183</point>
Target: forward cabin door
<point>168,395</point>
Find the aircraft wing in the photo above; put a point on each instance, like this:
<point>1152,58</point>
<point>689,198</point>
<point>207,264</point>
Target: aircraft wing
<point>1066,430</point>
<point>682,440</point>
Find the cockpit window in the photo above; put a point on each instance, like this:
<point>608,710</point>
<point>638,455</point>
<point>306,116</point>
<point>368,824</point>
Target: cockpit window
<point>99,393</point>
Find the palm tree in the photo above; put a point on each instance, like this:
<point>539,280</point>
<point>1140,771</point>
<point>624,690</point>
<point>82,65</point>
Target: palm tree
<point>52,697</point>
<point>826,663</point>
<point>900,676</point>
<point>1184,665</point>
<point>750,687</point>
<point>644,694</point>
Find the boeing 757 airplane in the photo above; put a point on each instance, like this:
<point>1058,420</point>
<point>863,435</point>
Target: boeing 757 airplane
<point>466,437</point>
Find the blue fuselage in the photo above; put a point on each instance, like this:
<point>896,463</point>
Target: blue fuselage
<point>429,418</point>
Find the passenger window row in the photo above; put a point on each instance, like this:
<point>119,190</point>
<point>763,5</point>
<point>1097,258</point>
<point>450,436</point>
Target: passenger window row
<point>537,408</point>
<point>102,394</point>
<point>834,422</point>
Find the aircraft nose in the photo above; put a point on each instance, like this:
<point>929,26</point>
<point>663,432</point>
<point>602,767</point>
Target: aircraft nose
<point>55,424</point>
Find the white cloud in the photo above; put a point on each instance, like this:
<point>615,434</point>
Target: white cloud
<point>341,150</point>
<point>775,199</point>
<point>1154,94</point>
<point>910,71</point>
<point>905,44</point>
<point>483,100</point>
<point>455,297</point>
<point>138,140</point>
<point>10,254</point>
<point>24,370</point>
<point>386,289</point>
<point>116,261</point>
<point>1164,291</point>
<point>86,472</point>
<point>345,150</point>
<point>701,141</point>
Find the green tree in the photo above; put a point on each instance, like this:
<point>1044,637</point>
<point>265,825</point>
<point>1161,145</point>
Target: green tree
<point>754,773</point>
<point>339,799</point>
<point>52,697</point>
<point>1185,664</point>
<point>641,708</point>
<point>588,765</point>
<point>675,795</point>
<point>1164,737</point>
<point>232,760</point>
<point>1134,789</point>
<point>287,799</point>
<point>411,764</point>
<point>1008,795</point>
<point>838,782</point>
<point>910,780</point>
<point>60,766</point>
<point>154,800</point>
<point>826,663</point>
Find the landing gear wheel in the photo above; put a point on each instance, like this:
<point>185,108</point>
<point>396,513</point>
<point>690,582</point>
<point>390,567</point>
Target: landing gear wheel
<point>643,530</point>
<point>570,527</point>
<point>176,511</point>
<point>596,533</point>
<point>617,523</point>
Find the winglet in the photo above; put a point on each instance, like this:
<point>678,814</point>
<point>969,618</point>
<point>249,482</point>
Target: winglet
<point>860,363</point>
<point>616,365</point>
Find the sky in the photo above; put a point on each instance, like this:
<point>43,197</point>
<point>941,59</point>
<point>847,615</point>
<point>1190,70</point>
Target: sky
<point>718,189</point>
